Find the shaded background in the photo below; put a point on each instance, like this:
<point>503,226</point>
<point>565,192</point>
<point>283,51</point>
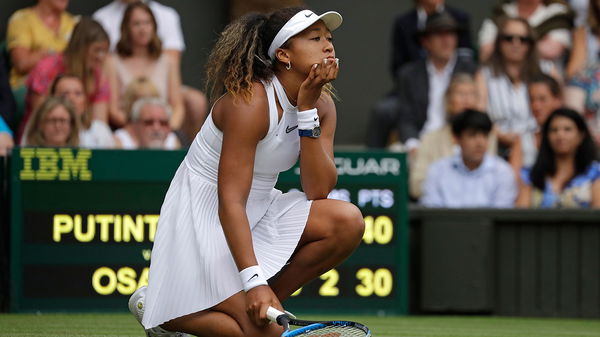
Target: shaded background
<point>362,44</point>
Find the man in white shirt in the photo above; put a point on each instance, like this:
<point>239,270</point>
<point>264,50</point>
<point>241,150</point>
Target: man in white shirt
<point>170,33</point>
<point>471,178</point>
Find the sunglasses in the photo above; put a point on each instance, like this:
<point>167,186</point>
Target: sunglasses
<point>150,122</point>
<point>512,38</point>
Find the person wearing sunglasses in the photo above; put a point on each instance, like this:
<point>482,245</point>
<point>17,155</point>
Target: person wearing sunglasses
<point>149,127</point>
<point>502,82</point>
<point>550,20</point>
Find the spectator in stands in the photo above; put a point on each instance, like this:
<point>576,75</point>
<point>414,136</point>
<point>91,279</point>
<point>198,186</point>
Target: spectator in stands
<point>472,178</point>
<point>139,88</point>
<point>406,46</point>
<point>551,20</point>
<point>586,42</point>
<point>54,124</point>
<point>545,96</point>
<point>84,57</point>
<point>150,119</point>
<point>582,94</point>
<point>566,173</point>
<point>6,139</point>
<point>423,83</point>
<point>36,32</point>
<point>460,96</point>
<point>93,133</point>
<point>139,54</point>
<point>503,82</point>
<point>136,90</point>
<point>169,31</point>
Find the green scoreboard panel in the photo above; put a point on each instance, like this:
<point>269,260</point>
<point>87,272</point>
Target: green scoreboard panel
<point>83,223</point>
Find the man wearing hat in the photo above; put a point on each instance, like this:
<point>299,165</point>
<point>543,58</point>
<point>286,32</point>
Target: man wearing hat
<point>423,83</point>
<point>406,48</point>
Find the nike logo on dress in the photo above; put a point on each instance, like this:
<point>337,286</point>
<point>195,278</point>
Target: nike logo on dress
<point>253,276</point>
<point>308,15</point>
<point>316,118</point>
<point>288,129</point>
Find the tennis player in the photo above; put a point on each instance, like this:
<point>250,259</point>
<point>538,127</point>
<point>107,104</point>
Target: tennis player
<point>228,244</point>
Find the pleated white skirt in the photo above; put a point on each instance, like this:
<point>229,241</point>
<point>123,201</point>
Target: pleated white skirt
<point>192,268</point>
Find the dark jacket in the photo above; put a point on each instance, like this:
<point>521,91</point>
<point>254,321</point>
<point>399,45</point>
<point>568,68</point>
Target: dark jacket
<point>405,42</point>
<point>413,95</point>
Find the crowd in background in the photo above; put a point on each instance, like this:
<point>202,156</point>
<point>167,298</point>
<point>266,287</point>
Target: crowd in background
<point>108,81</point>
<point>511,119</point>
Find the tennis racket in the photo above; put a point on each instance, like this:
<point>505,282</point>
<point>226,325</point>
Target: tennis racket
<point>317,329</point>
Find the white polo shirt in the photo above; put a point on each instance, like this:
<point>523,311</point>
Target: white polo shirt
<point>167,20</point>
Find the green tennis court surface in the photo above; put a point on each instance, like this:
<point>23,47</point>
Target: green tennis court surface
<point>22,325</point>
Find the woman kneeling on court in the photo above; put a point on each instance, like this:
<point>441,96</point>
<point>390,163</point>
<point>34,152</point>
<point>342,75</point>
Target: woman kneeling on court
<point>228,244</point>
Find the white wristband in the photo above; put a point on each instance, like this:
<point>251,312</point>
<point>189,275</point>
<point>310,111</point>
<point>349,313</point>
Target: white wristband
<point>252,277</point>
<point>308,119</point>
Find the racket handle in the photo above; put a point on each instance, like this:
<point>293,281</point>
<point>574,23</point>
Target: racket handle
<point>273,313</point>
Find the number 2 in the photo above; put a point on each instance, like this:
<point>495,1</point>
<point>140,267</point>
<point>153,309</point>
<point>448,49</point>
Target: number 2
<point>329,286</point>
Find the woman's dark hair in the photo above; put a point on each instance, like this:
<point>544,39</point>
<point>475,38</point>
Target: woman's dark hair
<point>545,164</point>
<point>548,81</point>
<point>240,56</point>
<point>124,46</point>
<point>471,120</point>
<point>530,66</point>
<point>593,19</point>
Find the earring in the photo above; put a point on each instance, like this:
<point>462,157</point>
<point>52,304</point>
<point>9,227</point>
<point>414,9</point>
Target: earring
<point>289,65</point>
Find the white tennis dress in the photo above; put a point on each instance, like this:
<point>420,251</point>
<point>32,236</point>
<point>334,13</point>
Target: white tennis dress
<point>192,268</point>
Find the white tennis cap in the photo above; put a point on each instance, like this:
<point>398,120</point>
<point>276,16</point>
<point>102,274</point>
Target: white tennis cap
<point>300,22</point>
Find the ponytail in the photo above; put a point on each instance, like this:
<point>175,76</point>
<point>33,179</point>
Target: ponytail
<point>240,56</point>
<point>238,59</point>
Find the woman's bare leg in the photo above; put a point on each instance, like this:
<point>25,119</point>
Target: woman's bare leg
<point>333,231</point>
<point>227,319</point>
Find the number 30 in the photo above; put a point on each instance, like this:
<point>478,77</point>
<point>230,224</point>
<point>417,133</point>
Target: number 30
<point>379,282</point>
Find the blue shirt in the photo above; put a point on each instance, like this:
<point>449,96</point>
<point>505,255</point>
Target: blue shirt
<point>450,184</point>
<point>577,193</point>
<point>4,127</point>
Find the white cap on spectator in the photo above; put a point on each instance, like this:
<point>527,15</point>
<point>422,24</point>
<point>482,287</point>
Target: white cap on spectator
<point>300,22</point>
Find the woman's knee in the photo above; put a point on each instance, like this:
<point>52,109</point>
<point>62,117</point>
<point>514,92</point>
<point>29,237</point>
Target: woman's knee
<point>349,223</point>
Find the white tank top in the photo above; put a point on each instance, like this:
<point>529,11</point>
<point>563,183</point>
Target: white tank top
<point>278,151</point>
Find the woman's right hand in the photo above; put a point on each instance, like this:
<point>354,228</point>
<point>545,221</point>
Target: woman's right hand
<point>258,299</point>
<point>319,75</point>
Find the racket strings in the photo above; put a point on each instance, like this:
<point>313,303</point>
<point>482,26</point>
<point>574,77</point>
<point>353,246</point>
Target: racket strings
<point>336,331</point>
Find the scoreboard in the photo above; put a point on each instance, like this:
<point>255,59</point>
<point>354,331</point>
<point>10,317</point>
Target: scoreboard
<point>83,223</point>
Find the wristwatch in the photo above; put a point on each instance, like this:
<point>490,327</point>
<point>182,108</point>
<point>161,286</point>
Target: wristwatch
<point>314,133</point>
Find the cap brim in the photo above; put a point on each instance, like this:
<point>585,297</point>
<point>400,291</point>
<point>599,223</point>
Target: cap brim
<point>331,19</point>
<point>300,22</point>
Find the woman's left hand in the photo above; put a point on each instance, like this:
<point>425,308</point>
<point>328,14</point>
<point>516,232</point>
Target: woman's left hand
<point>319,75</point>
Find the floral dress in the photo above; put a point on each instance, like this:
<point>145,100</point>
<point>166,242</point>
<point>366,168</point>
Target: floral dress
<point>577,193</point>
